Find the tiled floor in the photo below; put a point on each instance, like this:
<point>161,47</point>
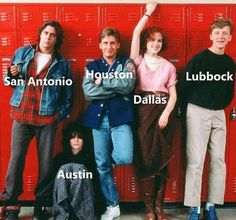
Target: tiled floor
<point>135,212</point>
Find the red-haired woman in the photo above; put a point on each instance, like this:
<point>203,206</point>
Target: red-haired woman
<point>155,94</point>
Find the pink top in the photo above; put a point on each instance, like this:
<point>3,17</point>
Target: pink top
<point>158,80</point>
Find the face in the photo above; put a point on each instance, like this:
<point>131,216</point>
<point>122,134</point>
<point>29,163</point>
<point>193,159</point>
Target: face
<point>76,144</point>
<point>48,39</point>
<point>154,44</point>
<point>109,47</point>
<point>220,37</point>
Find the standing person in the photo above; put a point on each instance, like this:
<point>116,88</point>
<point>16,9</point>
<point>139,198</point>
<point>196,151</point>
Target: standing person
<point>156,93</point>
<point>37,106</point>
<point>207,86</point>
<point>107,84</point>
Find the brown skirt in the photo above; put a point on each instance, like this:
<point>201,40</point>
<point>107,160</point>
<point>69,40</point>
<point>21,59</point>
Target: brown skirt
<point>153,148</point>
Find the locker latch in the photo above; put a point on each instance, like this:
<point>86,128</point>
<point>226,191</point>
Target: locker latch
<point>233,114</point>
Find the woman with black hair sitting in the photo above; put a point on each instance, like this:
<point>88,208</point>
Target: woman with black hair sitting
<point>76,179</point>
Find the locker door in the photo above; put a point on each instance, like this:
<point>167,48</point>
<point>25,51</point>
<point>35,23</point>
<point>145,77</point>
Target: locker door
<point>198,24</point>
<point>232,44</point>
<point>27,38</point>
<point>230,195</point>
<point>200,18</point>
<point>4,121</point>
<point>7,43</point>
<point>82,25</point>
<point>124,18</point>
<point>176,49</point>
<point>32,16</point>
<point>7,17</point>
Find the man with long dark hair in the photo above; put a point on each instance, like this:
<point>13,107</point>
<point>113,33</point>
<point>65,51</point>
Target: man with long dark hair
<point>36,110</point>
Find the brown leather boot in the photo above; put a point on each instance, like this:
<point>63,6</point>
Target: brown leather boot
<point>160,214</point>
<point>149,197</point>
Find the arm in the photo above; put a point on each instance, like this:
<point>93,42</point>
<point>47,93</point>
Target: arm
<point>66,100</point>
<point>163,120</point>
<point>135,45</point>
<point>14,70</point>
<point>122,85</point>
<point>94,90</point>
<point>185,87</point>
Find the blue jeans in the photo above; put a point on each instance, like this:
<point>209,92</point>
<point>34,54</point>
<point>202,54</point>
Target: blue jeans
<point>111,145</point>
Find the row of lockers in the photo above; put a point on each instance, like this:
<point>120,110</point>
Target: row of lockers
<point>187,30</point>
<point>18,23</point>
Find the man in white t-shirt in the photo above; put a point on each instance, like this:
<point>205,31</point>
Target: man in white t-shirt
<point>36,110</point>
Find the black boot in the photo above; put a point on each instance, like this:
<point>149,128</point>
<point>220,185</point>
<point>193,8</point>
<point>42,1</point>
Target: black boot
<point>40,213</point>
<point>12,212</point>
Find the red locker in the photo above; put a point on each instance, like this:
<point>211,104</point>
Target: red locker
<point>187,31</point>
<point>124,18</point>
<point>82,24</point>
<point>7,17</point>
<point>198,26</point>
<point>7,43</point>
<point>200,17</point>
<point>26,38</point>
<point>32,16</point>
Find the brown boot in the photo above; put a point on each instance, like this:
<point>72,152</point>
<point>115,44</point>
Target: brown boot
<point>160,214</point>
<point>149,197</point>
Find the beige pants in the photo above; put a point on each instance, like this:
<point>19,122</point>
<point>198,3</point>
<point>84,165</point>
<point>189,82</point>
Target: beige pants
<point>206,130</point>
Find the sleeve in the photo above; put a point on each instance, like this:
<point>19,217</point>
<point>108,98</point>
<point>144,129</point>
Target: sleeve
<point>120,84</point>
<point>9,76</point>
<point>66,101</point>
<point>172,80</point>
<point>93,91</point>
<point>185,87</point>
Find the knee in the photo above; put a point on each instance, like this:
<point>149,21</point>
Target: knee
<point>104,168</point>
<point>195,163</point>
<point>123,159</point>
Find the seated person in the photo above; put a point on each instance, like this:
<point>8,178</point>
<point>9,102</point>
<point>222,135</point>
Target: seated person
<point>76,179</point>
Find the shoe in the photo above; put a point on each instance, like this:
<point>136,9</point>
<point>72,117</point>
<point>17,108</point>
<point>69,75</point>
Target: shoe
<point>111,213</point>
<point>40,213</point>
<point>2,211</point>
<point>12,215</point>
<point>211,214</point>
<point>193,214</point>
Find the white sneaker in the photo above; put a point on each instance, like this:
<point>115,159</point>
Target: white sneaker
<point>111,213</point>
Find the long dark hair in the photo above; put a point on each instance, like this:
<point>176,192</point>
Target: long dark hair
<point>59,32</point>
<point>70,131</point>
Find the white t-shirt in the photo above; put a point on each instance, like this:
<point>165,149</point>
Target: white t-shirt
<point>42,60</point>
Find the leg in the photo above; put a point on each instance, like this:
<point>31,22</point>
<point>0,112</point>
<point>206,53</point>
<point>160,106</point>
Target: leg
<point>161,182</point>
<point>198,132</point>
<point>20,139</point>
<point>45,136</point>
<point>102,151</point>
<point>148,193</point>
<point>217,171</point>
<point>122,139</point>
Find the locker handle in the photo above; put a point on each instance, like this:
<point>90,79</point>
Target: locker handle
<point>71,60</point>
<point>174,60</point>
<point>233,114</point>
